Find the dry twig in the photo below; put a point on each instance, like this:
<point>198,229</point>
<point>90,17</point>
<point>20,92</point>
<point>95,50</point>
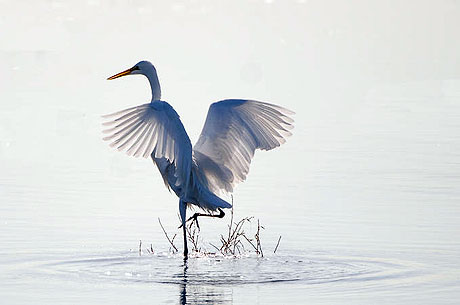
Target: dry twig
<point>257,237</point>
<point>150,251</point>
<point>166,234</point>
<point>193,234</point>
<point>231,244</point>
<point>277,244</point>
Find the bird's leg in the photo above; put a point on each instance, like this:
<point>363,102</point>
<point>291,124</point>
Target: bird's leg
<point>182,210</point>
<point>185,242</point>
<point>195,217</point>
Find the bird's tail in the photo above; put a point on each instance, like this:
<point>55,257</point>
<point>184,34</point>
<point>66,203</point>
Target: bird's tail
<point>210,201</point>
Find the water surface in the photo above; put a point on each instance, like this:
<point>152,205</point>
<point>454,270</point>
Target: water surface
<point>365,194</point>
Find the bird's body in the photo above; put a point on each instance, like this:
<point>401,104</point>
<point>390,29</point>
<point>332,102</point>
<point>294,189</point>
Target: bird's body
<point>220,159</point>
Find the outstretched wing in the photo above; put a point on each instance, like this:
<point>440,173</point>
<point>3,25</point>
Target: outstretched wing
<point>233,130</point>
<point>155,130</point>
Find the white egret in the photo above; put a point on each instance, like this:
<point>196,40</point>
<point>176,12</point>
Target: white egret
<point>220,159</point>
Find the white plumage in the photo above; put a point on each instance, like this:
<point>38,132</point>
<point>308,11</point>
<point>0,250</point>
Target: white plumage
<point>154,130</point>
<point>220,159</point>
<point>233,130</point>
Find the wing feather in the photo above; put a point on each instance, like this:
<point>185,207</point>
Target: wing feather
<point>154,130</point>
<point>233,130</point>
<point>139,141</point>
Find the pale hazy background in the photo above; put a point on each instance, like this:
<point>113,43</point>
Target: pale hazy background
<point>373,166</point>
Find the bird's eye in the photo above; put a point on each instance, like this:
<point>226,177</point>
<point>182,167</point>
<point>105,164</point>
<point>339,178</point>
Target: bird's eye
<point>136,68</point>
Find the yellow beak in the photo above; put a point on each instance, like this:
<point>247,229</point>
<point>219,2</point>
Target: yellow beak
<point>126,72</point>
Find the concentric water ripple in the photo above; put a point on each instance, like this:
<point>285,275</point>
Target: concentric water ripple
<point>218,270</point>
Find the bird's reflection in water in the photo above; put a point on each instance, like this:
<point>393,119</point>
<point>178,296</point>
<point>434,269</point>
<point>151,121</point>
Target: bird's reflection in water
<point>195,291</point>
<point>183,286</point>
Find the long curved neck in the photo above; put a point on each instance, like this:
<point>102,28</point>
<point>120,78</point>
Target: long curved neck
<point>154,85</point>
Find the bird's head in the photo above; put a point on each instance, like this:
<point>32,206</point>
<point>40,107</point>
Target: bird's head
<point>143,67</point>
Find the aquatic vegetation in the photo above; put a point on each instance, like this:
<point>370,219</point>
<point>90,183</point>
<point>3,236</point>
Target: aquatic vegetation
<point>237,241</point>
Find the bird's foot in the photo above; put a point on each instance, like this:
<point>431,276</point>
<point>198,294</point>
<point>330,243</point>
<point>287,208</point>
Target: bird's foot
<point>194,218</point>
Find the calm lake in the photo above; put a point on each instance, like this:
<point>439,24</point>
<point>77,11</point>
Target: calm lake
<point>365,195</point>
